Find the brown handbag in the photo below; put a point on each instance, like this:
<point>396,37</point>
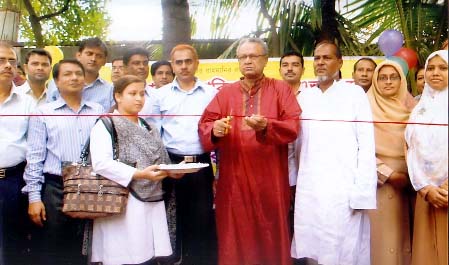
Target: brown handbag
<point>88,195</point>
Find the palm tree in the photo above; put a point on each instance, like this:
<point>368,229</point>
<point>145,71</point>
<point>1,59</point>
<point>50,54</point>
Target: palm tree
<point>286,24</point>
<point>423,23</point>
<point>176,24</point>
<point>290,24</point>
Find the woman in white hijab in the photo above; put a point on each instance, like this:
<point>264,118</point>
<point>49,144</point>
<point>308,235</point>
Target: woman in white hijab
<point>427,160</point>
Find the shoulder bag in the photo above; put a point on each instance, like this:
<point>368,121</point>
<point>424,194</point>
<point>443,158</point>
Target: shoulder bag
<point>88,195</point>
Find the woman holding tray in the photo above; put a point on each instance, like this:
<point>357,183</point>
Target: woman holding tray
<point>141,233</point>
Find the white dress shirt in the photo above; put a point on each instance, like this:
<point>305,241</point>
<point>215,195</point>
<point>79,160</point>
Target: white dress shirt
<point>26,89</point>
<point>13,129</point>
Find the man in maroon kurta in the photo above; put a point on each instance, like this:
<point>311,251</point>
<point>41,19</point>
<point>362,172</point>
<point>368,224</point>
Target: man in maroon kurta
<point>252,201</point>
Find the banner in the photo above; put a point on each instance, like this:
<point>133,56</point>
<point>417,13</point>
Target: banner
<point>217,72</point>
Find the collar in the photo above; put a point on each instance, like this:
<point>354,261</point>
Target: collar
<point>26,88</point>
<point>198,85</point>
<point>12,94</point>
<point>98,80</point>
<point>60,102</point>
<point>257,85</point>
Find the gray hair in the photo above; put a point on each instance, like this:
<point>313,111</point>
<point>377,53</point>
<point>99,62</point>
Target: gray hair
<point>253,40</point>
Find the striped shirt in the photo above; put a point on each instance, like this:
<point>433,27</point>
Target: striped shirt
<point>54,139</point>
<point>179,133</point>
<point>99,91</point>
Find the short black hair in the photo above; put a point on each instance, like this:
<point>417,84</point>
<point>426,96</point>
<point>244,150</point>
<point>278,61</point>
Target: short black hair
<point>93,42</point>
<point>293,53</point>
<point>41,52</point>
<point>133,51</point>
<point>365,59</point>
<point>116,59</point>
<point>337,49</point>
<point>57,66</point>
<point>158,64</point>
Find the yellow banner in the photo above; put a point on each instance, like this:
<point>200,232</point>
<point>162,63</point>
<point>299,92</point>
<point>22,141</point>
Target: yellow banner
<point>217,72</point>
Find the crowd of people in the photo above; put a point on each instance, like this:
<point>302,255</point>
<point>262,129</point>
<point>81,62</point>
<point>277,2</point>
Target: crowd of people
<point>334,174</point>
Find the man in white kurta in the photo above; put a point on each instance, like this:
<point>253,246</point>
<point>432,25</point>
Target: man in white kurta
<point>337,169</point>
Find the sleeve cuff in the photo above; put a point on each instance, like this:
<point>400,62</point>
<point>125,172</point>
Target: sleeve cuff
<point>34,196</point>
<point>384,173</point>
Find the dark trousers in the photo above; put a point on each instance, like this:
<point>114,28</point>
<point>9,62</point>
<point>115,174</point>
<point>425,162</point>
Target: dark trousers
<point>60,240</point>
<point>14,222</point>
<point>195,221</point>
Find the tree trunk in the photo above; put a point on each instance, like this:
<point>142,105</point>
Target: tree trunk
<point>275,42</point>
<point>35,24</point>
<point>329,28</point>
<point>176,27</point>
<point>35,20</point>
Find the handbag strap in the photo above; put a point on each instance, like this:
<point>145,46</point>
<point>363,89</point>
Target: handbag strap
<point>109,125</point>
<point>145,124</point>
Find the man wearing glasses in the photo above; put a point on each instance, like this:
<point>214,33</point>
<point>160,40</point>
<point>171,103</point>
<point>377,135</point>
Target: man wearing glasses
<point>337,177</point>
<point>180,104</point>
<point>250,123</point>
<point>13,130</point>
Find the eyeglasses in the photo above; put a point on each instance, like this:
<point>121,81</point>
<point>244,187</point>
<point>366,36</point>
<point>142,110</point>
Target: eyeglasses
<point>12,62</point>
<point>251,57</point>
<point>385,78</point>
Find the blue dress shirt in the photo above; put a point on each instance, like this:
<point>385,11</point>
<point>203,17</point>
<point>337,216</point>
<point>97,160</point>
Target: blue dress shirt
<point>54,139</point>
<point>179,133</point>
<point>99,91</point>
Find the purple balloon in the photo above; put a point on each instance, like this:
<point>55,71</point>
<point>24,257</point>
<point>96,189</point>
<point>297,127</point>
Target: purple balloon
<point>390,41</point>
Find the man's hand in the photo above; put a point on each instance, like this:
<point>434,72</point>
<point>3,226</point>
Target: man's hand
<point>257,122</point>
<point>398,179</point>
<point>36,211</point>
<point>221,127</point>
<point>437,197</point>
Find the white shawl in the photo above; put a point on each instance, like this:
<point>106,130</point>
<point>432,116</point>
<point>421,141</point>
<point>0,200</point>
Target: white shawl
<point>427,156</point>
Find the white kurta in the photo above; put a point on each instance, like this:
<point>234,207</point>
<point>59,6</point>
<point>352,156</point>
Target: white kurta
<point>141,232</point>
<point>337,177</point>
<point>293,152</point>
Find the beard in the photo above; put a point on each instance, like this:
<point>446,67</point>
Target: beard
<point>324,78</point>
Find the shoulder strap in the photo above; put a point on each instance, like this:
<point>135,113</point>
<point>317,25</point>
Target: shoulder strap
<point>145,124</point>
<point>109,125</point>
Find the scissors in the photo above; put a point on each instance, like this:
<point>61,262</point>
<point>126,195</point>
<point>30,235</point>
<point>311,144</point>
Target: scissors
<point>228,120</point>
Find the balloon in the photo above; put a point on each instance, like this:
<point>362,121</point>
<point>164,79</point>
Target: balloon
<point>56,53</point>
<point>401,62</point>
<point>390,41</point>
<point>409,55</point>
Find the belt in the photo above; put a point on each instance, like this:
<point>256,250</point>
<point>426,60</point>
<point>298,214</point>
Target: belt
<point>190,158</point>
<point>4,172</point>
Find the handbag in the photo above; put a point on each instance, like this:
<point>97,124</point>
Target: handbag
<point>88,195</point>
